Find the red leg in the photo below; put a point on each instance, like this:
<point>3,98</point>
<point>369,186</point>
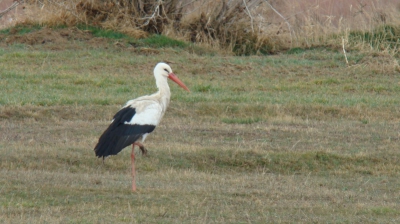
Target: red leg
<point>144,152</point>
<point>133,168</point>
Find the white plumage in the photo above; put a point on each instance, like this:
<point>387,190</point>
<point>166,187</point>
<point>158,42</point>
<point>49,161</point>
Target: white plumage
<point>138,118</point>
<point>150,115</point>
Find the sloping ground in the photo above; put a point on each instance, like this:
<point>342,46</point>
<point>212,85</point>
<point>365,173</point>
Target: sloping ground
<point>53,39</point>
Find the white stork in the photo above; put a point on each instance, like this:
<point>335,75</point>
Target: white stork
<point>138,118</point>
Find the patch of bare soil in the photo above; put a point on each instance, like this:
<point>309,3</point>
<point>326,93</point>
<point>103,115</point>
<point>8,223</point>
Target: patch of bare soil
<point>53,39</point>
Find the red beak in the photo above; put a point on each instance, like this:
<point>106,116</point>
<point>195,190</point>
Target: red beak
<point>179,82</point>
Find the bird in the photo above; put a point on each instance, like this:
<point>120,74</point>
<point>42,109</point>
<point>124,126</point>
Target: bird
<point>138,118</point>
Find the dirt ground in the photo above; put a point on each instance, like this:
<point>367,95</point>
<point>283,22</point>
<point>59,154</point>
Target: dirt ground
<point>54,39</point>
<point>47,38</point>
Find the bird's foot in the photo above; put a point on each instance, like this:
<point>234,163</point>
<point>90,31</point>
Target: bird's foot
<point>142,148</point>
<point>144,151</point>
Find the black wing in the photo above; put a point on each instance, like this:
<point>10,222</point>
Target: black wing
<point>119,134</point>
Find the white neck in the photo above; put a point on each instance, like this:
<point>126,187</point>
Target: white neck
<point>164,93</point>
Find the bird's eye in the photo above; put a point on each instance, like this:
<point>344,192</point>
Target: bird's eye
<point>165,70</point>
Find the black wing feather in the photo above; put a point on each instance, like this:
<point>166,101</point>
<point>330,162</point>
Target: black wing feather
<point>119,135</point>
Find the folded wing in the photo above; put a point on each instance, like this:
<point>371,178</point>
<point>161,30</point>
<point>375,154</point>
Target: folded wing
<point>129,125</point>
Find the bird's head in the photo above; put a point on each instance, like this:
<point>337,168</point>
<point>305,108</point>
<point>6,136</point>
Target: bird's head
<point>164,70</point>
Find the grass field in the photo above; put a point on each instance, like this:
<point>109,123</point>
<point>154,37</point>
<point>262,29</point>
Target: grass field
<point>299,137</point>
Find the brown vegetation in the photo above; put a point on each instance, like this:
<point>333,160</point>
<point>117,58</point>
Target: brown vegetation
<point>244,27</point>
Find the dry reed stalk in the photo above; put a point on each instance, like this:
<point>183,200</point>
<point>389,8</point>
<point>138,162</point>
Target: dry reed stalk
<point>344,52</point>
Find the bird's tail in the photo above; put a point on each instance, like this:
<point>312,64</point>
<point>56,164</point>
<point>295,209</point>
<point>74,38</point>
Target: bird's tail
<point>112,145</point>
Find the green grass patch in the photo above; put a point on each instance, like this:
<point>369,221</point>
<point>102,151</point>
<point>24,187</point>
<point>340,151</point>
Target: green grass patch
<point>287,163</point>
<point>161,41</point>
<point>241,120</point>
<point>205,88</point>
<point>21,29</point>
<point>382,36</point>
<point>296,50</point>
<point>105,33</point>
<point>154,41</point>
<point>384,211</point>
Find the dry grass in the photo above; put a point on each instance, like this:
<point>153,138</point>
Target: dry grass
<point>290,138</point>
<point>242,27</point>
